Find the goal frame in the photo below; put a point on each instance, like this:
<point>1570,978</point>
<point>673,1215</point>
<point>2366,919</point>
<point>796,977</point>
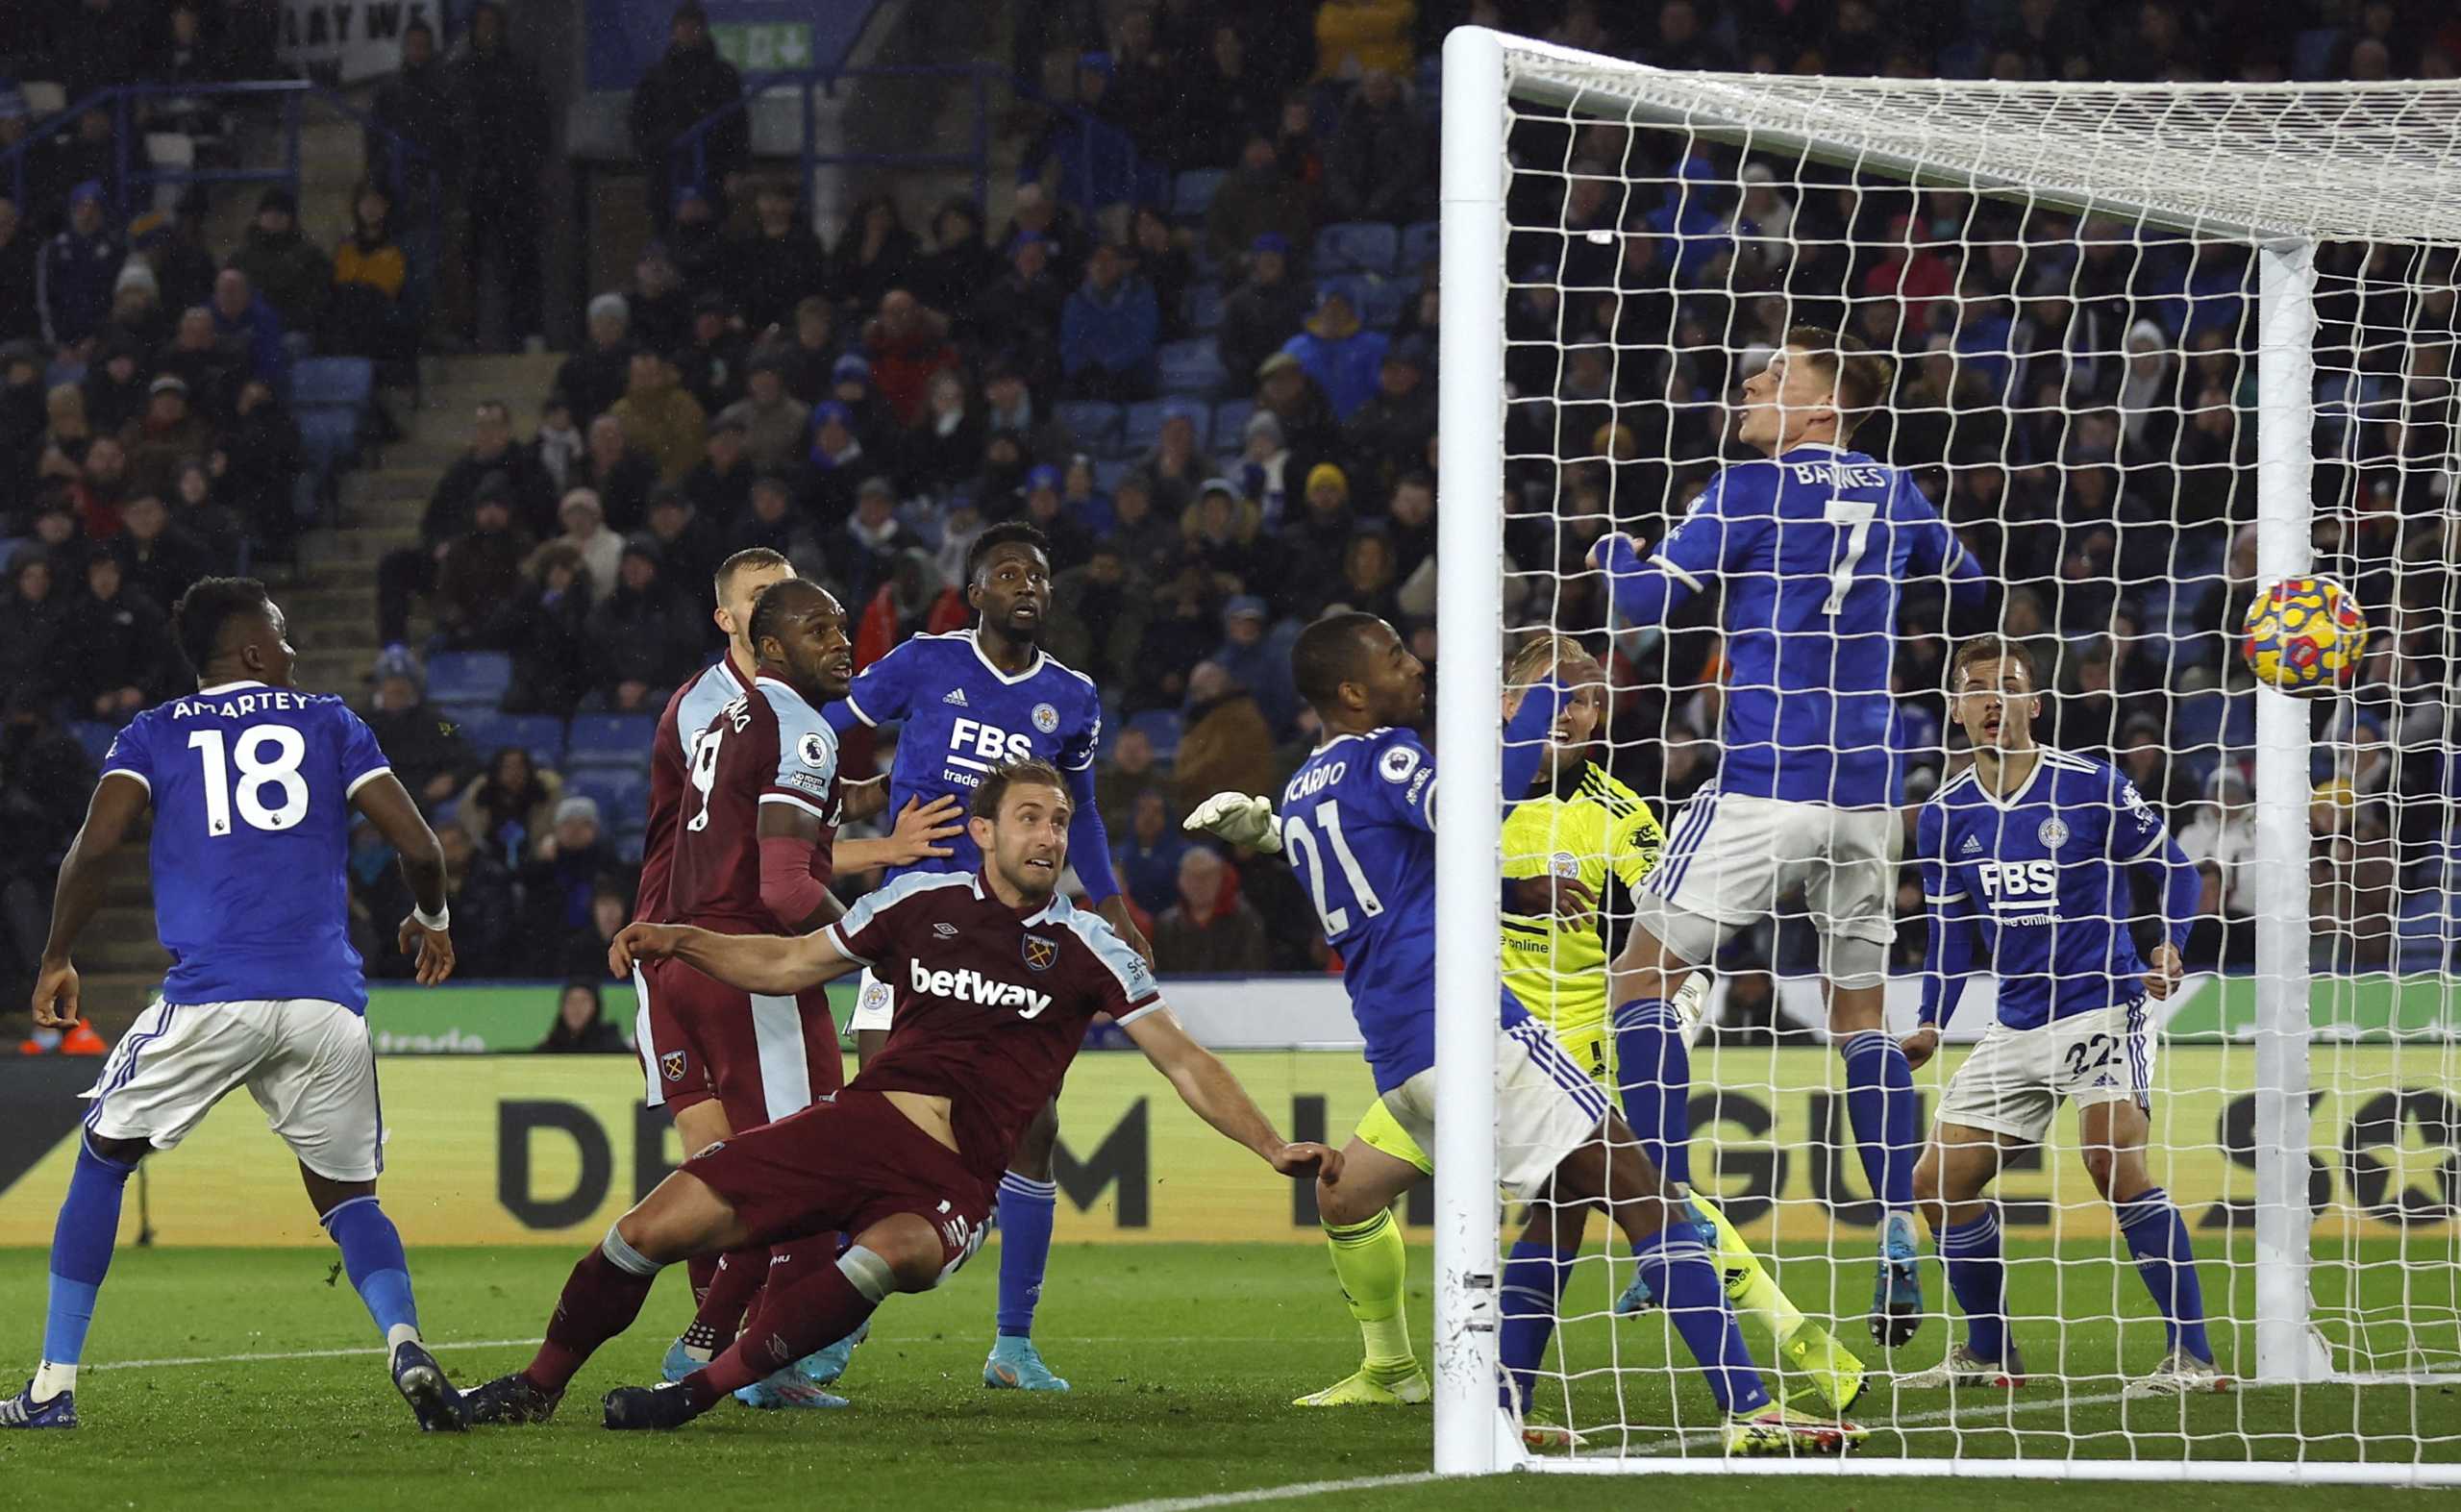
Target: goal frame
<point>1471,1435</point>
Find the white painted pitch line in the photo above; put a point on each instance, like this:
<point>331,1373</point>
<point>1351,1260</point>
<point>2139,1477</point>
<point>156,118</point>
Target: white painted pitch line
<point>372,1351</point>
<point>1917,1420</point>
<point>1303,1488</point>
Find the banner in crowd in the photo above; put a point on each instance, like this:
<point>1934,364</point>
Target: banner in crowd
<point>353,40</point>
<point>626,36</point>
<point>550,1149</point>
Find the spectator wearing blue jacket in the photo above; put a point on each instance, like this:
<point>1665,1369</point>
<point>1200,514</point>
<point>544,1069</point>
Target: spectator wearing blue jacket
<point>80,267</point>
<point>1108,331</point>
<point>1337,351</point>
<point>241,314</point>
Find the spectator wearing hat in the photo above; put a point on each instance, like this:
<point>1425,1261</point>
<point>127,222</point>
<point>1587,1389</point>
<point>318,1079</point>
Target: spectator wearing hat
<point>812,351</point>
<point>689,540</point>
<point>546,626</point>
<point>907,343</point>
<point>1047,510</point>
<point>482,569</point>
<point>1224,535</point>
<point>774,422</point>
<point>865,551</point>
<point>365,315</point>
<point>21,300</point>
<point>1107,331</point>
<point>667,424</point>
<point>79,267</point>
<point>712,364</point>
<point>1035,211</point>
<point>500,112</point>
<point>427,752</point>
<point>876,255</point>
<point>1340,352</point>
<point>687,84</point>
<point>1262,466</point>
<point>159,557</point>
<point>775,523</point>
<point>720,483</point>
<point>292,273</point>
<point>162,438</point>
<point>595,376</point>
<point>1313,543</point>
<point>779,264</point>
<point>1149,540</point>
<point>242,317</point>
<point>171,246</point>
<point>1380,164</point>
<point>122,640</point>
<point>1018,316</point>
<point>938,451</point>
<point>960,263</point>
<point>211,366</point>
<point>836,462</point>
<point>1257,659</point>
<point>600,550</point>
<point>851,383</point>
<point>565,867</point>
<point>115,386</point>
<point>1387,436</point>
<point>1094,153</point>
<point>621,473</point>
<point>1287,392</point>
<point>1099,610</point>
<point>1265,310</point>
<point>137,306</point>
<point>643,642</point>
<point>558,446</point>
<point>1261,197</point>
<point>696,239</point>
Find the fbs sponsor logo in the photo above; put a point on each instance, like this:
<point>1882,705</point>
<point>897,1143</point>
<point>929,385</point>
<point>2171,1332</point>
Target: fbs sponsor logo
<point>973,986</point>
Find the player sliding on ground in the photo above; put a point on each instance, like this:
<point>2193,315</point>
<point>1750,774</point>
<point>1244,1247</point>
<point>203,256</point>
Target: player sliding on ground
<point>1811,548</point>
<point>1357,827</point>
<point>2022,854</point>
<point>1003,976</point>
<point>252,784</point>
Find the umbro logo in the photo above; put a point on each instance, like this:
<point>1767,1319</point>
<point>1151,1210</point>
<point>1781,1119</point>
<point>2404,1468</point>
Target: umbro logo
<point>1971,847</point>
<point>945,931</point>
<point>955,695</point>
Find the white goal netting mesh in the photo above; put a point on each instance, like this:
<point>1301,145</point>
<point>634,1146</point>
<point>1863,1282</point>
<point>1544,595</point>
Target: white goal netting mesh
<point>2075,389</point>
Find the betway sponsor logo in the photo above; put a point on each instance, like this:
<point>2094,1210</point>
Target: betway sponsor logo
<point>972,986</point>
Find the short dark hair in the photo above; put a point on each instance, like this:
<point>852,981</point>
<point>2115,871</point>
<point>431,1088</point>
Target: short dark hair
<point>997,782</point>
<point>744,560</point>
<point>1859,374</point>
<point>1327,655</point>
<point>1007,532</point>
<point>210,603</point>
<point>1993,647</point>
<point>775,604</point>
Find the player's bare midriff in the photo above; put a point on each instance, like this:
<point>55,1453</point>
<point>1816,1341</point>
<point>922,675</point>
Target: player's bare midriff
<point>929,1114</point>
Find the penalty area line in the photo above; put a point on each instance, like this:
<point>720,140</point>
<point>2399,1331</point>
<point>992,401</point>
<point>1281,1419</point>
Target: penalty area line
<point>1259,1494</point>
<point>372,1351</point>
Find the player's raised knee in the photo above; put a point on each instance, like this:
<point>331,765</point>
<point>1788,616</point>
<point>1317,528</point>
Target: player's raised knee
<point>905,1252</point>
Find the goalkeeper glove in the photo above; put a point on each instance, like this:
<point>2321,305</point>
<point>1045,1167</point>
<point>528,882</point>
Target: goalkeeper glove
<point>1237,817</point>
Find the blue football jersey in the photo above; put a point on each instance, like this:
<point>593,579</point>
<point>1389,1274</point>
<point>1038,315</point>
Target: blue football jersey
<point>251,788</point>
<point>1812,549</point>
<point>2041,878</point>
<point>960,716</point>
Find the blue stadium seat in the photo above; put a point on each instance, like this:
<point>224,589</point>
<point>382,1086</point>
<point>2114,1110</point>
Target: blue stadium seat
<point>1093,422</point>
<point>1161,727</point>
<point>1144,426</point>
<point>623,795</point>
<point>96,736</point>
<point>612,740</point>
<point>1109,471</point>
<point>469,676</point>
<point>1357,246</point>
<point>1191,367</point>
<point>327,437</point>
<point>542,735</point>
<point>1230,424</point>
<point>346,382</point>
<point>1205,307</point>
<point>1418,246</point>
<point>1381,301</point>
<point>1192,192</point>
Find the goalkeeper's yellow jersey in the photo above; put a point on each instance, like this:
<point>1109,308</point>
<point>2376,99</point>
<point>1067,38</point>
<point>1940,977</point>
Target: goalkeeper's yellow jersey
<point>1560,972</point>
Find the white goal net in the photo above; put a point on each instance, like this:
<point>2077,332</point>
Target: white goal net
<point>2149,350</point>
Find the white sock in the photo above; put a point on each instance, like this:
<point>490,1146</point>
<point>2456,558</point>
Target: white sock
<point>399,1334</point>
<point>50,1380</point>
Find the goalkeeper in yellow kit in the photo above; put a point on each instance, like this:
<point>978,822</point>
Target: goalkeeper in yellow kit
<point>1579,825</point>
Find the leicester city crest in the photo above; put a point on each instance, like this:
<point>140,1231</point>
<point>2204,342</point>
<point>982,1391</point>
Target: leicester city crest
<point>1046,718</point>
<point>2053,833</point>
<point>671,1064</point>
<point>1039,951</point>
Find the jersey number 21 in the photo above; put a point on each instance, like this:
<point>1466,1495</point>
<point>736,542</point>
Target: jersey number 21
<point>1297,841</point>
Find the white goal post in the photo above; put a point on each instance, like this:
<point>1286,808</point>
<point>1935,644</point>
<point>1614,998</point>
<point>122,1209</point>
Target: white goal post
<point>2277,170</point>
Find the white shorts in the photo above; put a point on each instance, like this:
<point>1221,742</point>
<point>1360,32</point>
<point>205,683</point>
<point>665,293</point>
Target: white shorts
<point>2015,1080</point>
<point>1728,855</point>
<point>309,1064</point>
<point>1546,1108</point>
<point>874,1003</point>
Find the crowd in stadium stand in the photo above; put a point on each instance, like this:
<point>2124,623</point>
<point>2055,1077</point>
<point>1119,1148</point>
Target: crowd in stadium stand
<point>1198,351</point>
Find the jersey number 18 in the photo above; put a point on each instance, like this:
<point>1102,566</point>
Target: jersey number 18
<point>257,774</point>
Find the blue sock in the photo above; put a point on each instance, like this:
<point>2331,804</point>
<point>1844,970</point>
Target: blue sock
<point>1532,1293</point>
<point>2158,1237</point>
<point>1676,1264</point>
<point>1025,1207</point>
<point>1971,1253</point>
<point>1655,1070</point>
<point>80,1251</point>
<point>372,1255</point>
<point>1880,1105</point>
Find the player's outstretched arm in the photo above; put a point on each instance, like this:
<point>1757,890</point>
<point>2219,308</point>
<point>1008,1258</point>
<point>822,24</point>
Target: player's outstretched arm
<point>118,799</point>
<point>425,934</point>
<point>1213,1094</point>
<point>771,964</point>
<point>920,834</point>
<point>1246,822</point>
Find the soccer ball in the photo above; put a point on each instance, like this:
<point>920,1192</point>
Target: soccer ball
<point>2304,636</point>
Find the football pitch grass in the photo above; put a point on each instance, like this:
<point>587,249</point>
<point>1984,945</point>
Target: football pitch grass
<point>250,1379</point>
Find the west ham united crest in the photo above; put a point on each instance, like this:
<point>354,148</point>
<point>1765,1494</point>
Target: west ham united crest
<point>671,1064</point>
<point>1039,952</point>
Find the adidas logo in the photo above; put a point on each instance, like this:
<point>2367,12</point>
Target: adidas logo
<point>955,695</point>
<point>1971,847</point>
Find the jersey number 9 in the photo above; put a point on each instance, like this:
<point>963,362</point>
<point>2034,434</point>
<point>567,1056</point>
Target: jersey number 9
<point>258,772</point>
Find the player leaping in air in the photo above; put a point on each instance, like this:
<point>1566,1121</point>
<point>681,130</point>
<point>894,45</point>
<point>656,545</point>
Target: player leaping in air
<point>1811,549</point>
<point>969,701</point>
<point>2024,855</point>
<point>1357,828</point>
<point>1002,976</point>
<point>252,784</point>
